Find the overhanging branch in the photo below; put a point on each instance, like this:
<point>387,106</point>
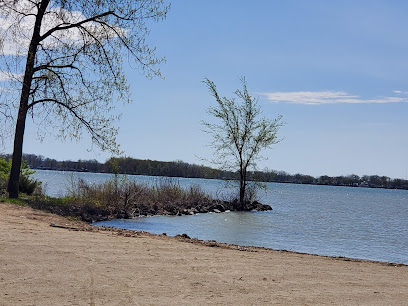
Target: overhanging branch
<point>63,27</point>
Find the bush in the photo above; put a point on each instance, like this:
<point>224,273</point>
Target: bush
<point>27,184</point>
<point>125,198</point>
<point>4,173</point>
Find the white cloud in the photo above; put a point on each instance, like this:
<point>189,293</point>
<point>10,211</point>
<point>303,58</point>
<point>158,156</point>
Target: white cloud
<point>399,92</point>
<point>329,97</point>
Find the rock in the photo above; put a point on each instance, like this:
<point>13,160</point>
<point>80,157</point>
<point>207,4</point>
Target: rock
<point>260,207</point>
<point>217,208</point>
<point>184,236</point>
<point>190,211</point>
<point>202,208</point>
<point>211,243</point>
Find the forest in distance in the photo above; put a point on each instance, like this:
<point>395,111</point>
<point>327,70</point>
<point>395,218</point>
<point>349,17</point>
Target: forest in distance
<point>132,166</point>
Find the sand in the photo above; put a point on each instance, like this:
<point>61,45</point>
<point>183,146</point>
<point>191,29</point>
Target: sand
<point>45,265</point>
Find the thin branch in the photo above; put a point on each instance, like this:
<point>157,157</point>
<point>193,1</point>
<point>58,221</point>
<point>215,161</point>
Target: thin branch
<point>96,136</point>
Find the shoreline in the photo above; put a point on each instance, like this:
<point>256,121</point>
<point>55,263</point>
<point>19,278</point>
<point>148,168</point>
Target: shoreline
<point>208,209</point>
<point>86,265</point>
<point>247,248</point>
<point>186,238</point>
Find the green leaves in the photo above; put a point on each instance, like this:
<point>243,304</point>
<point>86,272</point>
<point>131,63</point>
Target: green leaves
<point>5,167</point>
<point>26,185</point>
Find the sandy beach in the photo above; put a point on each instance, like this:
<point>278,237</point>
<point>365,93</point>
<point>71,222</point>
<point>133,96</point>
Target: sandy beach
<point>73,263</point>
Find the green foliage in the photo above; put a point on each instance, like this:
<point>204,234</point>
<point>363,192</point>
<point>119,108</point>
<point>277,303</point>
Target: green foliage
<point>5,167</point>
<point>61,206</point>
<point>27,184</point>
<point>13,201</point>
<point>114,166</point>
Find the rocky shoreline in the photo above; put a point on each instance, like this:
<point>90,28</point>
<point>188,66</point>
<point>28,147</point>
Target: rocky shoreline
<point>94,215</point>
<point>92,212</point>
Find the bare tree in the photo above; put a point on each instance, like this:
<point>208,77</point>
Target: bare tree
<point>67,58</point>
<point>239,134</point>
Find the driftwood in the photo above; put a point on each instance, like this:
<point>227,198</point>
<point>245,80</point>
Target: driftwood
<point>65,227</point>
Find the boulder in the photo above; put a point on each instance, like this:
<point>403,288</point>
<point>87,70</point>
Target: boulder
<point>260,207</point>
<point>217,208</point>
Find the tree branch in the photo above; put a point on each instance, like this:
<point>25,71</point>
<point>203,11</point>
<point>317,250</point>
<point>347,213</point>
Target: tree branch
<point>62,27</point>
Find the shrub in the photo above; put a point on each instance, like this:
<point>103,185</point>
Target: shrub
<point>27,184</point>
<point>126,198</point>
<point>5,167</point>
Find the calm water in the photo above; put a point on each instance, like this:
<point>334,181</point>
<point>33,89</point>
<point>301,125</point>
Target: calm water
<point>335,221</point>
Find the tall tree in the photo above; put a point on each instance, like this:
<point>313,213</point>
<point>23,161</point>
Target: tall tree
<point>67,58</point>
<point>239,134</point>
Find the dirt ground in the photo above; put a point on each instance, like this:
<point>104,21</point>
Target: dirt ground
<point>73,263</point>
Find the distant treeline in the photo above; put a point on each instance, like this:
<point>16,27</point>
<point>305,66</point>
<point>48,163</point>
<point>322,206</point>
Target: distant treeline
<point>127,165</point>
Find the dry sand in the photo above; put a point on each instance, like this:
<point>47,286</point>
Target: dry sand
<point>44,265</point>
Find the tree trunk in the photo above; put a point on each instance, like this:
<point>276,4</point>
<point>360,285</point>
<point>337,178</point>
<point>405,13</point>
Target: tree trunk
<point>242,185</point>
<point>14,179</point>
<point>13,184</point>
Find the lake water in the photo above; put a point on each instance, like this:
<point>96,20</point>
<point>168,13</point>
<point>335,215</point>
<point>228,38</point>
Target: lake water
<point>326,220</point>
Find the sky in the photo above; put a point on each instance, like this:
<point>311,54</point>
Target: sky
<point>337,71</point>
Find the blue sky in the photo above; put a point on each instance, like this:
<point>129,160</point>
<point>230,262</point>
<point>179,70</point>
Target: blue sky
<point>336,70</point>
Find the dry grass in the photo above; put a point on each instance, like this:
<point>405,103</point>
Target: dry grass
<point>128,198</point>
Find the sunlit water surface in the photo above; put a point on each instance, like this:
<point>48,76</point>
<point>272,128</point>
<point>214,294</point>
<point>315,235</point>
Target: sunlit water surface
<point>335,221</point>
